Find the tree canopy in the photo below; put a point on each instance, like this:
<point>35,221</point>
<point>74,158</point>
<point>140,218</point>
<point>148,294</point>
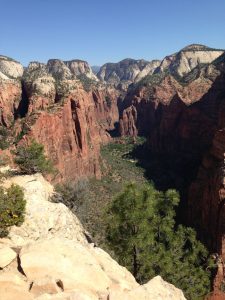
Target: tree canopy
<point>143,235</point>
<point>31,159</point>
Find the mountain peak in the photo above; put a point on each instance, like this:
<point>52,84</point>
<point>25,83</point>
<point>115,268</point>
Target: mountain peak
<point>194,47</point>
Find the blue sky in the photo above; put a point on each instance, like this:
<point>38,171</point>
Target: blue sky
<point>107,31</point>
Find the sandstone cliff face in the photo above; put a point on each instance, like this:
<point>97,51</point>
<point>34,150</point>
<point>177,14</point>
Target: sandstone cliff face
<point>69,120</point>
<point>78,67</point>
<point>149,69</point>
<point>185,125</point>
<point>71,123</point>
<point>64,69</point>
<point>49,257</point>
<point>9,68</point>
<point>10,96</point>
<point>10,89</point>
<point>126,71</point>
<point>188,58</point>
<point>71,137</point>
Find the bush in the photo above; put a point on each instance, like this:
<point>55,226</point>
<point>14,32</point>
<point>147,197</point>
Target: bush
<point>142,234</point>
<point>4,160</point>
<point>4,144</point>
<point>71,194</point>
<point>31,159</point>
<point>108,101</point>
<point>86,82</point>
<point>12,208</point>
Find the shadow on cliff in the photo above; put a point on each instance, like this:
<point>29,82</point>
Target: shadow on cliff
<point>115,131</point>
<point>178,140</point>
<point>22,109</point>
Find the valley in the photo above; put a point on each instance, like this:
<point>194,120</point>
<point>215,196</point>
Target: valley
<point>132,121</point>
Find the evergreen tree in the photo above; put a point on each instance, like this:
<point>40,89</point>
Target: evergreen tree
<point>31,159</point>
<point>143,236</point>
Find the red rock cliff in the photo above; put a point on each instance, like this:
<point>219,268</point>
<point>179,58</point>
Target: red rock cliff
<point>184,122</point>
<point>73,130</point>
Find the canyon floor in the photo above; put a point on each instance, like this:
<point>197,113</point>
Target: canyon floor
<point>119,167</point>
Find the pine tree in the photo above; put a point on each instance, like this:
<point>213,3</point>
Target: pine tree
<point>31,159</point>
<point>143,235</point>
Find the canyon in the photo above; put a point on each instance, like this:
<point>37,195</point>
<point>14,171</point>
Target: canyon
<point>177,103</point>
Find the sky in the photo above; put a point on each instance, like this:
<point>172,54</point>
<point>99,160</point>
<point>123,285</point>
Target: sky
<point>107,31</point>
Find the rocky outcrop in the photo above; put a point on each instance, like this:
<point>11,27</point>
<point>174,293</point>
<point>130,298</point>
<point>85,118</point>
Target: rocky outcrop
<point>126,71</point>
<point>71,137</point>
<point>9,68</point>
<point>70,119</point>
<point>61,70</point>
<point>150,102</point>
<point>188,58</point>
<point>73,130</point>
<point>79,67</point>
<point>10,97</point>
<point>7,255</point>
<point>55,261</point>
<point>70,122</point>
<point>44,219</point>
<point>10,89</point>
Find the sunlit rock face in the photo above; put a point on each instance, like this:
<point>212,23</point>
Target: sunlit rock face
<point>49,257</point>
<point>9,68</point>
<point>188,58</point>
<point>52,105</point>
<point>126,71</point>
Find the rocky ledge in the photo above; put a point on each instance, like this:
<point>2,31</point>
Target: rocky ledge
<point>51,257</point>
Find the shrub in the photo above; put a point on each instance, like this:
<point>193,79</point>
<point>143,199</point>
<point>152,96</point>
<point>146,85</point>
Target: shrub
<point>108,101</point>
<point>142,234</point>
<point>12,208</point>
<point>4,144</point>
<point>4,160</point>
<point>31,159</point>
<point>86,82</point>
<point>71,194</point>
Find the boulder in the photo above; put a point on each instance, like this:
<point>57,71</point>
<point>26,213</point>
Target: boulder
<point>155,289</point>
<point>7,255</point>
<point>45,285</point>
<point>13,287</point>
<point>63,260</point>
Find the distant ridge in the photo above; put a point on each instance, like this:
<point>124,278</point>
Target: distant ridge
<point>199,47</point>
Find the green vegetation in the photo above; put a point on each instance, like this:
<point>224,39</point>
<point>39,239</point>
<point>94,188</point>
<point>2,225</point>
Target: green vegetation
<point>86,82</point>
<point>142,234</point>
<point>12,208</point>
<point>31,159</point>
<point>118,168</point>
<point>3,57</point>
<point>89,199</point>
<point>108,101</point>
<point>152,80</point>
<point>162,247</point>
<point>24,131</point>
<point>4,134</point>
<point>4,160</point>
<point>71,193</point>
